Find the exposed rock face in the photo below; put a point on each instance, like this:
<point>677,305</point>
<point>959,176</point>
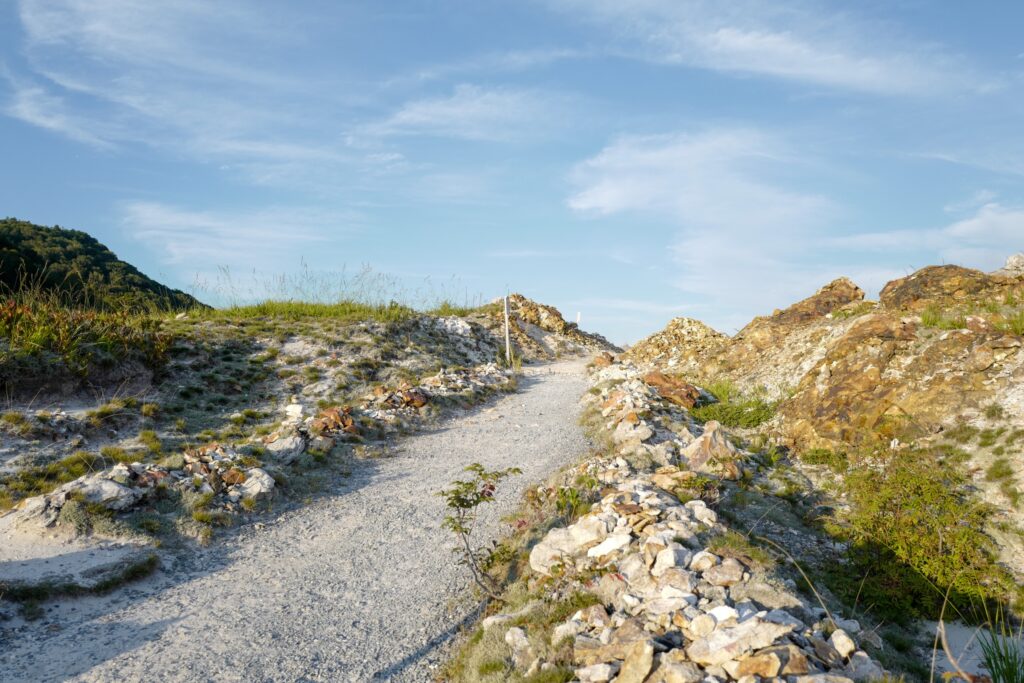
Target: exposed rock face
<point>540,331</point>
<point>847,370</point>
<point>1014,266</point>
<point>944,285</point>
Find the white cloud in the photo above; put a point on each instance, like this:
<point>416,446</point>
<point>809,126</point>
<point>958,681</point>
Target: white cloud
<point>742,240</point>
<point>800,42</point>
<point>247,239</point>
<point>33,104</point>
<point>981,240</point>
<point>471,112</point>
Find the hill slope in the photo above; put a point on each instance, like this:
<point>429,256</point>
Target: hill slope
<point>75,262</point>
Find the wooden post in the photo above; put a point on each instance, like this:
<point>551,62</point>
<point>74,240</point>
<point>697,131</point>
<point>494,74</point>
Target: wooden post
<point>508,336</point>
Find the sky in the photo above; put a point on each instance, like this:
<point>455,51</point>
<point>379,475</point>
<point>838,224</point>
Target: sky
<point>629,161</point>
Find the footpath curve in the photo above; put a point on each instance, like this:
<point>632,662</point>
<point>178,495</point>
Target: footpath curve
<point>356,586</point>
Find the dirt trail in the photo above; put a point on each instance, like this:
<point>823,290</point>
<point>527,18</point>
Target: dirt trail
<point>356,586</point>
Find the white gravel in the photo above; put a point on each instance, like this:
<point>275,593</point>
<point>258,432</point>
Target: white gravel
<point>357,586</point>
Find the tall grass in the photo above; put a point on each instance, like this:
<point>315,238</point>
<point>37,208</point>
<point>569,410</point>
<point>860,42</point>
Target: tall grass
<point>362,288</point>
<point>35,322</point>
<point>297,310</point>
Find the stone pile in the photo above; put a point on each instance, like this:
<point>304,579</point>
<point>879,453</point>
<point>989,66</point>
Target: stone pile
<point>644,415</point>
<point>670,610</point>
<point>209,470</point>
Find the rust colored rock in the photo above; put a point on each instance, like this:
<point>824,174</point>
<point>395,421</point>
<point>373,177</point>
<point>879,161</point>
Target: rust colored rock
<point>673,389</point>
<point>413,398</point>
<point>835,294</point>
<point>942,286</point>
<point>333,420</point>
<point>603,360</point>
<point>233,476</point>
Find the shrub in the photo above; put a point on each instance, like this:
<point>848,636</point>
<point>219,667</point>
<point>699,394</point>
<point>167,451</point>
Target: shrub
<point>462,499</point>
<point>915,529</point>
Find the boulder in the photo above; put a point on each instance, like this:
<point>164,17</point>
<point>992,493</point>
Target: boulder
<point>727,644</point>
<point>97,489</point>
<point>712,452</point>
<point>286,449</point>
<point>637,664</point>
<point>598,673</point>
<point>258,484</point>
<point>673,389</point>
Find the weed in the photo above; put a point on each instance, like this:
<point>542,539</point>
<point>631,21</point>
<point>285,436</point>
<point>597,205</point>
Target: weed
<point>962,433</point>
<point>836,461</point>
<point>735,544</point>
<point>999,470</point>
<point>462,499</point>
<point>149,410</point>
<point>994,411</point>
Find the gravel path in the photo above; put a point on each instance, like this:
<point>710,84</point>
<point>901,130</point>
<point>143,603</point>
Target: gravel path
<point>354,587</point>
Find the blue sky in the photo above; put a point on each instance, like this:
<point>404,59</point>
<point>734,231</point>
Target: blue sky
<point>633,161</point>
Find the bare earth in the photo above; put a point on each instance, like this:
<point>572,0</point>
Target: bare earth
<point>357,586</point>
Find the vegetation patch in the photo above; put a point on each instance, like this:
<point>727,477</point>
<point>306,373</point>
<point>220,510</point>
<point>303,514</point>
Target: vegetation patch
<point>732,408</point>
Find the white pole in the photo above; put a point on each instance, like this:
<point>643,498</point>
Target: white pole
<point>508,336</point>
<point>577,318</point>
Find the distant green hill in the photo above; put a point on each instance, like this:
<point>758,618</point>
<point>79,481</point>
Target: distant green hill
<point>74,262</point>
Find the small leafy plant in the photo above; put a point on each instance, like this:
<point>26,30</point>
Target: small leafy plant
<point>462,499</point>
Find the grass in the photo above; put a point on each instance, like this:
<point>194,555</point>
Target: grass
<point>733,408</point>
<point>347,310</point>
<point>734,544</point>
<point>33,593</point>
<point>33,481</point>
<point>44,330</point>
<point>934,318</point>
<point>837,461</point>
<point>1002,650</point>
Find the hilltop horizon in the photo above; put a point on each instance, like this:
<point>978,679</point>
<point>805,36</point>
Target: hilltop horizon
<point>633,163</point>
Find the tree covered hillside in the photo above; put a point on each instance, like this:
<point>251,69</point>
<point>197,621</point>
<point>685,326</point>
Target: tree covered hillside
<point>73,261</point>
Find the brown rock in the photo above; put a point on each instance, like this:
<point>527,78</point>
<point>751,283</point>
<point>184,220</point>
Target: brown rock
<point>767,665</point>
<point>233,476</point>
<point>713,452</point>
<point>673,389</point>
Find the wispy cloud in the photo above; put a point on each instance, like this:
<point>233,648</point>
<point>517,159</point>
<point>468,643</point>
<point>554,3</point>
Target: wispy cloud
<point>202,239</point>
<point>810,43</point>
<point>33,104</point>
<point>742,239</point>
<point>983,238</point>
<point>471,112</point>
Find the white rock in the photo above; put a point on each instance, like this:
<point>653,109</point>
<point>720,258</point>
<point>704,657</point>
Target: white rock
<point>731,643</point>
<point>96,489</point>
<point>724,613</point>
<point>286,448</point>
<point>703,626</point>
<point>778,616</point>
<point>668,558</point>
<point>569,629</point>
<point>843,643</point>
<point>610,545</point>
<point>863,668</point>
<point>703,560</point>
<point>257,484</point>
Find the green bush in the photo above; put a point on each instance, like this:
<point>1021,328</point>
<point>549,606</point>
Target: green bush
<point>732,407</point>
<point>915,530</point>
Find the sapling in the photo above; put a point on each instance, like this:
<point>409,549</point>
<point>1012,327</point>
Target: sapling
<point>463,498</point>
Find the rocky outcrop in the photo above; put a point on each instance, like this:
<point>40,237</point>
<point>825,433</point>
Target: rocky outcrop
<point>670,607</point>
<point>939,346</point>
<point>539,331</point>
<point>948,286</point>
